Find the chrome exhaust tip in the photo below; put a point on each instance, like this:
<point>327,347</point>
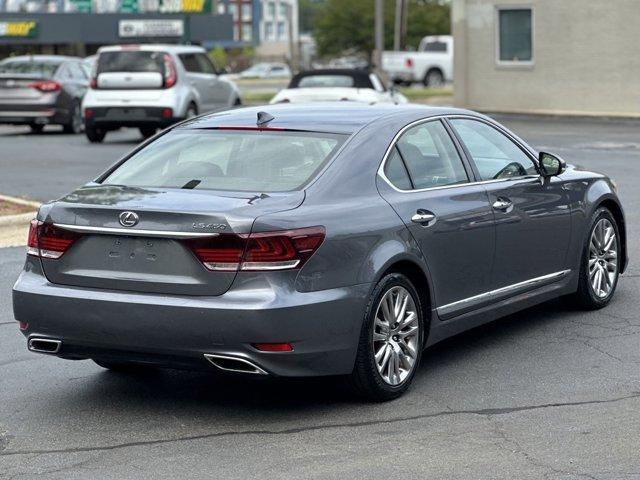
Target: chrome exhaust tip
<point>44,345</point>
<point>234,364</point>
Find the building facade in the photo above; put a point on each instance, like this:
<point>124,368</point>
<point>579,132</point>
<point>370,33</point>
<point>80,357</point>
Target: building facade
<point>278,30</point>
<point>547,56</point>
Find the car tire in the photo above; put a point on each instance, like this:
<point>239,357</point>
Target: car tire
<point>95,135</point>
<point>120,366</point>
<point>75,122</point>
<point>36,128</point>
<point>372,378</point>
<point>237,102</point>
<point>594,259</point>
<point>433,78</point>
<point>192,111</point>
<point>147,132</point>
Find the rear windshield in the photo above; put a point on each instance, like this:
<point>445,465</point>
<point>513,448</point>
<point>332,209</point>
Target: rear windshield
<point>125,61</point>
<point>40,68</point>
<point>254,161</point>
<point>344,81</point>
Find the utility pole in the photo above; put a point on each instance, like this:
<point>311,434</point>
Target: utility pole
<point>379,34</point>
<point>397,27</point>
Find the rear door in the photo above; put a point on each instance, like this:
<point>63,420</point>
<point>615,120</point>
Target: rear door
<point>219,91</point>
<point>532,216</point>
<point>130,69</point>
<point>428,185</point>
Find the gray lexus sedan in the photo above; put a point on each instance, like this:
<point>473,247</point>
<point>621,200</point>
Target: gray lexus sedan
<point>328,239</point>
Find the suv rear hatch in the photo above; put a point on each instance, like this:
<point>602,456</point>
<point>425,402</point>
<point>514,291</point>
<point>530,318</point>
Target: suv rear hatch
<point>154,254</point>
<point>134,70</point>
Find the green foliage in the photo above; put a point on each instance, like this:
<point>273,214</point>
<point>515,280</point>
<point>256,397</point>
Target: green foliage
<point>219,57</point>
<point>309,13</point>
<point>349,26</point>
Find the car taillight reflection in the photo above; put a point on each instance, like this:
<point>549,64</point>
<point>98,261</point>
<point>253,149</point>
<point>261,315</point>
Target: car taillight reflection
<point>48,241</point>
<point>281,250</point>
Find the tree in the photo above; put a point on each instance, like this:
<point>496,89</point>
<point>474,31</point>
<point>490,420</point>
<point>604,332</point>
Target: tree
<point>348,26</point>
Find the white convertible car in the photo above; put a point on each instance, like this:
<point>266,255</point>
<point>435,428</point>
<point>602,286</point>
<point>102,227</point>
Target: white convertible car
<point>338,85</point>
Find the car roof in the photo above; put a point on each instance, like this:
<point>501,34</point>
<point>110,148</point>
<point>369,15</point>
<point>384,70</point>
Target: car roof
<point>325,117</point>
<point>150,47</point>
<point>360,77</point>
<point>42,58</point>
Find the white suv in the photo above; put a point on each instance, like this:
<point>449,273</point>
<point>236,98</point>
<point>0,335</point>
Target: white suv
<point>151,87</point>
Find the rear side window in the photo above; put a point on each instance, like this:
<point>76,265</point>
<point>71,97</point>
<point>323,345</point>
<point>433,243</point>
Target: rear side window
<point>136,61</point>
<point>435,47</point>
<point>396,171</point>
<point>320,81</point>
<point>254,161</point>
<point>430,156</point>
<point>190,62</point>
<point>28,67</point>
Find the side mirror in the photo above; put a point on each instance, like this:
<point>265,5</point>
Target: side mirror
<point>550,165</point>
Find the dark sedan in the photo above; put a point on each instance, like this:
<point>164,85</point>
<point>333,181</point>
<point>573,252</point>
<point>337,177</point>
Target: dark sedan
<point>336,239</point>
<point>39,90</point>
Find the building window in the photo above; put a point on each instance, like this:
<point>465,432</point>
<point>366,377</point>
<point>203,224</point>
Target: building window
<point>233,10</point>
<point>515,35</point>
<point>271,9</point>
<point>282,9</point>
<point>247,32</point>
<point>268,31</point>
<point>247,13</point>
<point>282,32</point>
<point>236,32</point>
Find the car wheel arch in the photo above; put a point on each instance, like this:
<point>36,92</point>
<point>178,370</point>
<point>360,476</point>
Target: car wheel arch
<point>616,210</point>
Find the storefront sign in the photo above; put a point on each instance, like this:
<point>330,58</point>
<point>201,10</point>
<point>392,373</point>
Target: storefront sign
<point>19,28</point>
<point>150,28</point>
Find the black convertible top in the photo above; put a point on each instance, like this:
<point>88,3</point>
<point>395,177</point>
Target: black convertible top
<point>360,77</point>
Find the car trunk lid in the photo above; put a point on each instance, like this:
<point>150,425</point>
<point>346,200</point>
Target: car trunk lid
<point>20,87</point>
<point>153,255</point>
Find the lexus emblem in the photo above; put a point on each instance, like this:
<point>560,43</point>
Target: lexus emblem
<point>128,219</point>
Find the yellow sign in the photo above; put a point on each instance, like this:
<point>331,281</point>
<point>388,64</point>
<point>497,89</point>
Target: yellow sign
<point>27,29</point>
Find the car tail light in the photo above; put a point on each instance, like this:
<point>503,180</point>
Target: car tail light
<point>409,62</point>
<point>46,86</point>
<point>282,250</point>
<point>170,72</point>
<point>48,241</point>
<point>167,113</point>
<point>273,347</point>
<point>88,113</point>
<point>23,325</point>
<point>93,83</point>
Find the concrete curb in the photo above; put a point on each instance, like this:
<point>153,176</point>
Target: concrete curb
<point>14,228</point>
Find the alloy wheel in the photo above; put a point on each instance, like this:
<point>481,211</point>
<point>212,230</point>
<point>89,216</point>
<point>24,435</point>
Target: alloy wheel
<point>603,258</point>
<point>396,335</point>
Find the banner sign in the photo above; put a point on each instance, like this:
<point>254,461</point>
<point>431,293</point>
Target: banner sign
<point>150,28</point>
<point>138,6</point>
<point>19,28</point>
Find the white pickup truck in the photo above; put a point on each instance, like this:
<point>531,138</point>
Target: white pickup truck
<point>432,64</point>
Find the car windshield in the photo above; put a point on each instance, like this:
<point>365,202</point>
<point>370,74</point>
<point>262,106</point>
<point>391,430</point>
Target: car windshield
<point>125,61</point>
<point>29,67</point>
<point>255,161</point>
<point>315,81</point>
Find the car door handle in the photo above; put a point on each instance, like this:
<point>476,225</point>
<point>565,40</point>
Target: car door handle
<point>423,217</point>
<point>502,204</point>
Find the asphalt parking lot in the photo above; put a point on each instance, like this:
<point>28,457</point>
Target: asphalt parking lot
<point>548,393</point>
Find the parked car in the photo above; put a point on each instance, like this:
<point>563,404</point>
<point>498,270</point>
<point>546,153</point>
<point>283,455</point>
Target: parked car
<point>431,65</point>
<point>267,70</point>
<point>323,239</point>
<point>338,85</point>
<point>39,90</point>
<point>151,87</point>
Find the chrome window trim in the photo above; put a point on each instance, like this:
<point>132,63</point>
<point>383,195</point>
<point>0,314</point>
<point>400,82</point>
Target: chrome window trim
<point>397,136</point>
<point>450,308</point>
<point>135,231</point>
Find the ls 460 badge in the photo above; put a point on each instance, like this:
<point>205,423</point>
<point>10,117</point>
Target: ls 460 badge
<point>209,226</point>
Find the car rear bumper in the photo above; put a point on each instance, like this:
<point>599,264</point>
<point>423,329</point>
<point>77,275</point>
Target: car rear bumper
<point>28,114</point>
<point>178,331</point>
<point>116,117</point>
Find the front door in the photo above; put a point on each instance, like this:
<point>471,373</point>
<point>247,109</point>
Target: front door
<point>532,216</point>
<point>427,184</point>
